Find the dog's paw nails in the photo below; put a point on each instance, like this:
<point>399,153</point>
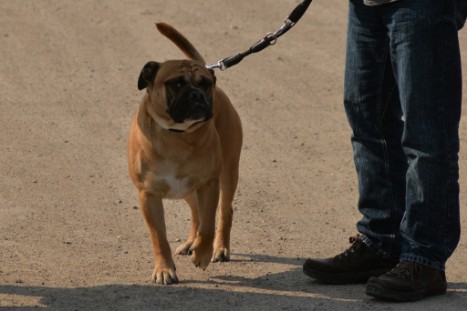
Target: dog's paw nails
<point>166,280</point>
<point>222,255</point>
<point>183,249</point>
<point>190,251</point>
<point>201,261</point>
<point>221,258</point>
<point>165,277</point>
<point>196,264</point>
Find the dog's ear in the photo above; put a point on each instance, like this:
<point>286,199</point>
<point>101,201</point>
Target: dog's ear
<point>214,78</point>
<point>147,75</point>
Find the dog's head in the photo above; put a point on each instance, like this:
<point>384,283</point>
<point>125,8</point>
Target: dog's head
<point>180,93</point>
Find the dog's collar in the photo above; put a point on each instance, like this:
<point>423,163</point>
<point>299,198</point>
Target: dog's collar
<point>175,127</point>
<point>189,129</point>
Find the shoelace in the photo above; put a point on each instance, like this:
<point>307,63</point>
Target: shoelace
<point>354,239</point>
<point>405,271</point>
<point>353,249</point>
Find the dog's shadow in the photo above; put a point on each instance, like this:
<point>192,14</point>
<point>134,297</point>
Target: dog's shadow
<point>271,281</point>
<point>291,280</point>
<point>289,289</point>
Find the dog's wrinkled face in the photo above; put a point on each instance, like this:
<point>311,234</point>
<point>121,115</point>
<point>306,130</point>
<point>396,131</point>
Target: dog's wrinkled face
<point>181,93</point>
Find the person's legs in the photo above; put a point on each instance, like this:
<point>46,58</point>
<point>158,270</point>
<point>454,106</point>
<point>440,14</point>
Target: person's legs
<point>402,55</point>
<point>425,53</point>
<point>424,50</point>
<point>373,109</point>
<point>371,101</point>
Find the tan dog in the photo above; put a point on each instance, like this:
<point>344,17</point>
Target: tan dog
<point>185,143</point>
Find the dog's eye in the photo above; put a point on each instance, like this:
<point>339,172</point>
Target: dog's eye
<point>204,83</point>
<point>176,84</point>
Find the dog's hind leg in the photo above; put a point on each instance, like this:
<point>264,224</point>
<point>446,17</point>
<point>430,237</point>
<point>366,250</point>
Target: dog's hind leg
<point>228,185</point>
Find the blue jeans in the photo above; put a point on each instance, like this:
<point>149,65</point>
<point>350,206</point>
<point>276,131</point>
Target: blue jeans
<point>403,90</point>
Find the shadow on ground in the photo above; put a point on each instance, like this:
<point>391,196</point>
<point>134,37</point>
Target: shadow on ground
<point>288,290</point>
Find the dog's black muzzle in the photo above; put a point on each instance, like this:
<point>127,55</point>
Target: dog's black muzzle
<point>190,104</point>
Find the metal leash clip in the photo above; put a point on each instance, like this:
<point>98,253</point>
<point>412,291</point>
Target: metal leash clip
<point>220,65</point>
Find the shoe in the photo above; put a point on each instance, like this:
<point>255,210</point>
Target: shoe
<point>356,265</point>
<point>408,281</point>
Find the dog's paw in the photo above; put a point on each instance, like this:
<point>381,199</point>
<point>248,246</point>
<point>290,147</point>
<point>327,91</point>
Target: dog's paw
<point>184,249</point>
<point>164,276</point>
<point>221,255</point>
<point>201,258</point>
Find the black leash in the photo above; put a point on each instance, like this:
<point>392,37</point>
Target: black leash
<point>268,40</point>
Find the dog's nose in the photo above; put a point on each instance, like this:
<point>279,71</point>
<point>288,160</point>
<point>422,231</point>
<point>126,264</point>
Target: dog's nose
<point>195,95</point>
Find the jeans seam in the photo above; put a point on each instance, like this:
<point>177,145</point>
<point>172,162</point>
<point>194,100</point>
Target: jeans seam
<point>446,152</point>
<point>382,107</point>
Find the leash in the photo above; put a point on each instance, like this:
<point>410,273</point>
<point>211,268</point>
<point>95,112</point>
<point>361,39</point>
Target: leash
<point>269,39</point>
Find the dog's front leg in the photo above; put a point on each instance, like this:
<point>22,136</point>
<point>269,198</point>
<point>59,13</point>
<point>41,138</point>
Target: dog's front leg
<point>184,249</point>
<point>153,212</point>
<point>202,248</point>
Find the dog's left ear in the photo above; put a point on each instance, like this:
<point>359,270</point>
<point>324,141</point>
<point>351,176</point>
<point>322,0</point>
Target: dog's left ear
<point>214,79</point>
<point>148,74</point>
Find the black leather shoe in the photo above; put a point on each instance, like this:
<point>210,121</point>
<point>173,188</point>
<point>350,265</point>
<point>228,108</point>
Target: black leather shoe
<point>355,265</point>
<point>408,281</point>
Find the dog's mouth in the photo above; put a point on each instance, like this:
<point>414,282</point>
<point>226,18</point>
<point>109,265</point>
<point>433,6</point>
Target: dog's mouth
<point>202,116</point>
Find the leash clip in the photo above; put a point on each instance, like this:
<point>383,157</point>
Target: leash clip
<point>283,29</point>
<point>220,65</point>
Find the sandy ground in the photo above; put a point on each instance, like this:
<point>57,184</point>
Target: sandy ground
<point>72,236</point>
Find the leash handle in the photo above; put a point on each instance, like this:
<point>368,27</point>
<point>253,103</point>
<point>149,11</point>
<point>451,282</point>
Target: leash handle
<point>269,39</point>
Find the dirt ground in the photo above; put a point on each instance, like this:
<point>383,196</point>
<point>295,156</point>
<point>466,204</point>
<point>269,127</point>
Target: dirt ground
<point>72,236</point>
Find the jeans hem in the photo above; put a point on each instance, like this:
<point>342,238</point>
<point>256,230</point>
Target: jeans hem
<point>423,261</point>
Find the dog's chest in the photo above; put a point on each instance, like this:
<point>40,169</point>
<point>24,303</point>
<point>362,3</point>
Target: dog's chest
<point>174,180</point>
<point>179,170</point>
<point>177,187</point>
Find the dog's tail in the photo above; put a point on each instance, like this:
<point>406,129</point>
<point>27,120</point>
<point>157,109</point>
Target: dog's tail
<point>187,48</point>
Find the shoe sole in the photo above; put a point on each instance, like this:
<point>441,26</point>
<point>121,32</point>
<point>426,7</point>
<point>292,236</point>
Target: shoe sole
<point>342,278</point>
<point>378,291</point>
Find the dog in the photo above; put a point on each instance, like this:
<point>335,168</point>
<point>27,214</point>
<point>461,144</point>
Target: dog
<point>185,143</point>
